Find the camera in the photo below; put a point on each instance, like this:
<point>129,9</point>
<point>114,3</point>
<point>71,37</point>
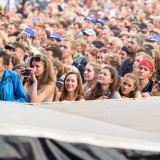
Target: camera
<point>26,72</point>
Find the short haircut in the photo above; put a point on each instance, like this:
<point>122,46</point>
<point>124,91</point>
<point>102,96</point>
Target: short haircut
<point>14,59</point>
<point>98,44</point>
<point>16,25</point>
<point>78,24</point>
<point>6,57</point>
<point>146,50</point>
<point>138,38</point>
<point>56,52</point>
<point>72,42</point>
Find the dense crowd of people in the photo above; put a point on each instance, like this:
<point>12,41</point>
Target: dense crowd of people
<point>65,50</point>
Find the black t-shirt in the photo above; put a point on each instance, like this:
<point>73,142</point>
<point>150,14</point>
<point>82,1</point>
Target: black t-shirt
<point>148,87</point>
<point>127,67</point>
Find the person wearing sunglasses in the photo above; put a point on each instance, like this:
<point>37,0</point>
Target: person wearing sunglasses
<point>40,86</point>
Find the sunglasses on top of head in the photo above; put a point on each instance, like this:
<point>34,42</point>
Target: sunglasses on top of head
<point>36,59</point>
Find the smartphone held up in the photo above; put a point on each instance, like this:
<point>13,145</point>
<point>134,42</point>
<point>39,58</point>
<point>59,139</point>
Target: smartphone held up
<point>25,72</point>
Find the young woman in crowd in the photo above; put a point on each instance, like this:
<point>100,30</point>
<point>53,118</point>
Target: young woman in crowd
<point>40,86</point>
<point>72,88</point>
<point>129,87</point>
<point>90,76</point>
<point>58,73</point>
<point>145,74</point>
<point>100,57</point>
<point>106,86</point>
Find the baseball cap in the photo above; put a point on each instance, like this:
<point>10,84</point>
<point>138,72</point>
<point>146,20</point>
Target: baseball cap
<point>89,32</point>
<point>30,32</point>
<point>155,38</point>
<point>56,36</point>
<point>16,44</point>
<point>101,21</point>
<point>91,18</point>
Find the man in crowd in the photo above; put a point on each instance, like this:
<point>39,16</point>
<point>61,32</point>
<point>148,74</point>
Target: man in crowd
<point>18,48</point>
<point>68,47</point>
<point>134,43</point>
<point>11,87</point>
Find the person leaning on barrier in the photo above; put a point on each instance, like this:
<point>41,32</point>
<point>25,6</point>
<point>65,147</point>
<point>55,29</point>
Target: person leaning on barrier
<point>11,88</point>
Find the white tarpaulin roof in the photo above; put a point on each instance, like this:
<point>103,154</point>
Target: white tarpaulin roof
<point>139,114</point>
<point>104,125</point>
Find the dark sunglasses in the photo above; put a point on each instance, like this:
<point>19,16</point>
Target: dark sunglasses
<point>36,59</point>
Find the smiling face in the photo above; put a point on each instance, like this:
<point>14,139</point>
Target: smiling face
<point>128,85</point>
<point>104,77</point>
<point>71,83</point>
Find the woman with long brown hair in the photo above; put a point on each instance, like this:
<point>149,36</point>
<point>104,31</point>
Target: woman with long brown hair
<point>72,87</point>
<point>106,86</point>
<point>129,87</point>
<point>40,86</point>
<point>90,76</point>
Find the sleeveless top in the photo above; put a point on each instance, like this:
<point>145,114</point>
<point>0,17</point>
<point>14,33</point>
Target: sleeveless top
<point>39,90</point>
<point>148,87</point>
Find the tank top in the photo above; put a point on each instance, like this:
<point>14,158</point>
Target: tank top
<point>39,90</point>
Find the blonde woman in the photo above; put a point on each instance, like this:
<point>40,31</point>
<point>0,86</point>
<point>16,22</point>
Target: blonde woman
<point>90,76</point>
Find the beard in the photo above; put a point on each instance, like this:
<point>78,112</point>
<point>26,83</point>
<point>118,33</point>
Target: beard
<point>131,53</point>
